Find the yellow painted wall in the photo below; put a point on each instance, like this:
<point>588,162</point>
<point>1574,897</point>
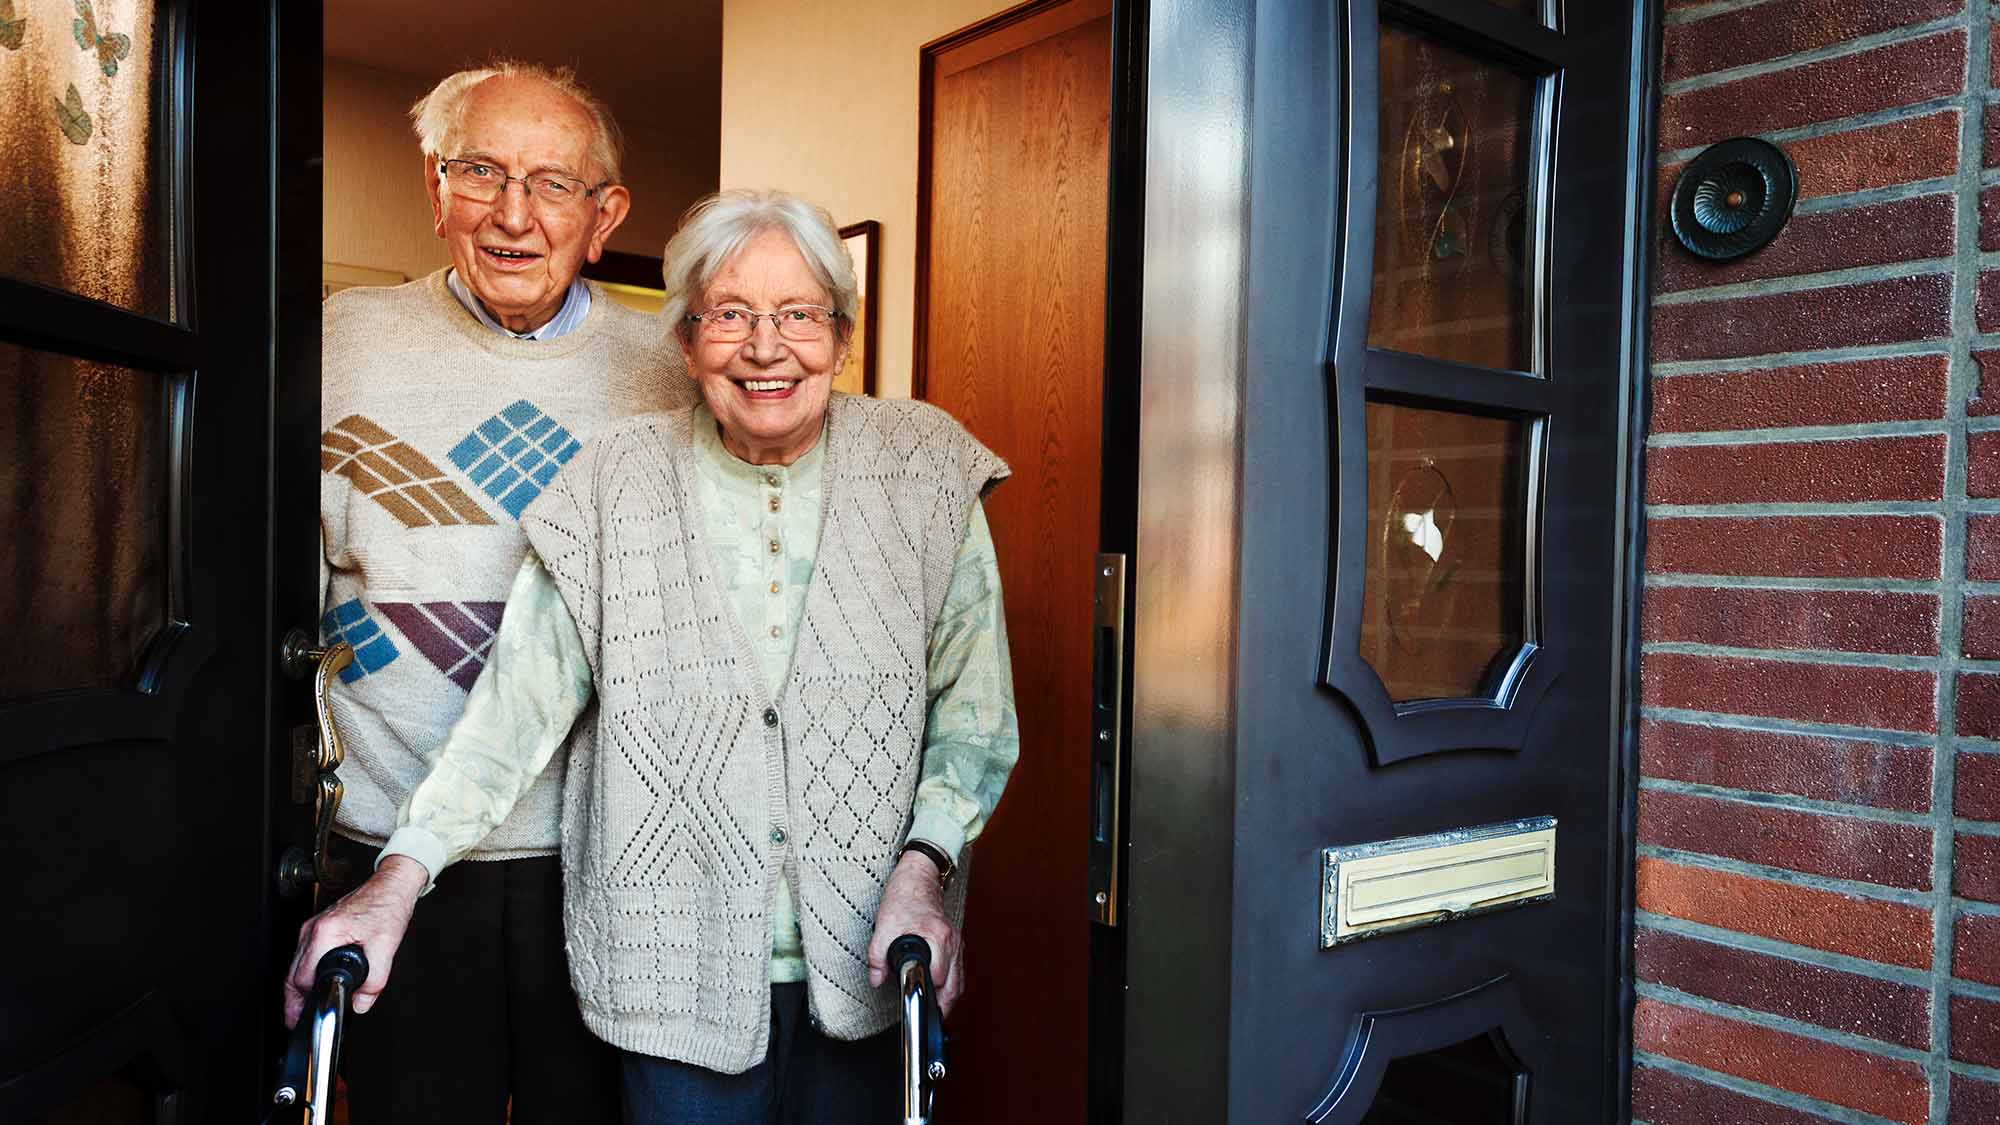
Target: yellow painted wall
<point>376,214</point>
<point>821,100</point>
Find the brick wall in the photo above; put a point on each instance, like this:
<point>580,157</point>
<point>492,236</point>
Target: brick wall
<point>1818,886</point>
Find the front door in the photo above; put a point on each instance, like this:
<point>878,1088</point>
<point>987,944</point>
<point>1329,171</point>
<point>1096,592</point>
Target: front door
<point>153,166</point>
<point>1376,859</point>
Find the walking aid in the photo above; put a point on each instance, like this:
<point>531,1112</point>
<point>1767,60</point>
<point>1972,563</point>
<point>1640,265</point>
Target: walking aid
<point>312,1058</point>
<point>924,1042</point>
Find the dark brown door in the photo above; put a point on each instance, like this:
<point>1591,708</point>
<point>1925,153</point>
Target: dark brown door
<point>1389,274</point>
<point>144,384</point>
<point>1012,200</point>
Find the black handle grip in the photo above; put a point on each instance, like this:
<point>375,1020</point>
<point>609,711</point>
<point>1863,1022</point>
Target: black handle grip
<point>909,947</point>
<point>348,961</point>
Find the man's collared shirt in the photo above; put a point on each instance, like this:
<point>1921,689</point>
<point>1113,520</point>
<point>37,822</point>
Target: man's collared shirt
<point>575,306</point>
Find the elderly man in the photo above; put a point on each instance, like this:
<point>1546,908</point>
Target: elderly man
<point>450,403</point>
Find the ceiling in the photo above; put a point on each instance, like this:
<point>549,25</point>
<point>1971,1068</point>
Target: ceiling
<point>657,62</point>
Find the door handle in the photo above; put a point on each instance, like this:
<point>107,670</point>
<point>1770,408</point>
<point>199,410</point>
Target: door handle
<point>320,769</point>
<point>1107,720</point>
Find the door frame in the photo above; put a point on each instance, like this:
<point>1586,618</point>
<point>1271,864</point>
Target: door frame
<point>1201,143</point>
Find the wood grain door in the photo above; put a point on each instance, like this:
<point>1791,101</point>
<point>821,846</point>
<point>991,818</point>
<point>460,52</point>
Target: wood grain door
<point>1013,208</point>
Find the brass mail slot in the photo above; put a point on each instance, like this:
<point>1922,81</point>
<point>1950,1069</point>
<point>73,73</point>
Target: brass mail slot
<point>1412,881</point>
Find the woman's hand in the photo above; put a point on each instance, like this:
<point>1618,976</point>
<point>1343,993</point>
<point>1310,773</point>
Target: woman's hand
<point>375,915</point>
<point>913,903</point>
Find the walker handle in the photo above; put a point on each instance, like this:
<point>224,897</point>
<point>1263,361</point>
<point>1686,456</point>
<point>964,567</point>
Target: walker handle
<point>925,1045</point>
<point>312,1056</point>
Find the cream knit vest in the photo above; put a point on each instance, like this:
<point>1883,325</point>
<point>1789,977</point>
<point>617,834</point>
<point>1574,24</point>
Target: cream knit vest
<point>700,790</point>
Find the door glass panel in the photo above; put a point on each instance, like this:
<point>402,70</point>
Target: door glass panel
<point>1453,207</point>
<point>83,477</point>
<point>1444,587</point>
<point>1467,1083</point>
<point>81,153</point>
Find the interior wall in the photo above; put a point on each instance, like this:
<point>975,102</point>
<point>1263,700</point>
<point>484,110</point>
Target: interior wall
<point>377,216</point>
<point>832,115</point>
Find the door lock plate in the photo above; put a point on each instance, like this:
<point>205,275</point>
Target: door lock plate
<point>1412,881</point>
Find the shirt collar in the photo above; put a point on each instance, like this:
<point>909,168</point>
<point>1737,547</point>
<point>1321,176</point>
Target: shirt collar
<point>575,306</point>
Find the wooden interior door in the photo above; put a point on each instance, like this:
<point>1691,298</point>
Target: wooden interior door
<point>1013,212</point>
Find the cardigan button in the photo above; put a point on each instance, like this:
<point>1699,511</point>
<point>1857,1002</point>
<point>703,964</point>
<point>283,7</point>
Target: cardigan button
<point>770,716</point>
<point>777,835</point>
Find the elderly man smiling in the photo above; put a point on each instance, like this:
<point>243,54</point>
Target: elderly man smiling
<point>450,403</point>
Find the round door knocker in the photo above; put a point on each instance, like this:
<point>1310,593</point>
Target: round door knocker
<point>1734,198</point>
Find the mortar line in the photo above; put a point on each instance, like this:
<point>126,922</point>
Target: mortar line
<point>1841,49</point>
<point>1758,1090</point>
<point>1793,284</point>
<point>1833,125</point>
<point>1951,600</point>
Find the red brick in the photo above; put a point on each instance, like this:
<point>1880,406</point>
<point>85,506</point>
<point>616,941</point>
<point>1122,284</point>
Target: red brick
<point>1825,620</point>
<point>1986,309</point>
<point>1991,126</point>
<point>1800,546</point>
<point>1837,316</point>
<point>1890,1088</point>
<point>1839,847</point>
<point>1979,704</point>
<point>1986,399</point>
<point>1982,548</point>
<point>1847,694</point>
<point>1884,78</point>
<point>1871,929</point>
<point>1975,792</point>
<point>1975,867</point>
<point>1850,771</point>
<point>1661,1097</point>
<point>1903,388</point>
<point>1973,1102</point>
<point>1975,948</point>
<point>1982,468</point>
<point>1975,1030</point>
<point>1989,219</point>
<point>1784,27</point>
<point>1894,152</point>
<point>1981,632</point>
<point>1903,230</point>
<point>1844,1001</point>
<point>1778,472</point>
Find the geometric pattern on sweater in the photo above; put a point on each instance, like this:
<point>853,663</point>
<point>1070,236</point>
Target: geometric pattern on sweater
<point>515,454</point>
<point>387,470</point>
<point>455,636</point>
<point>373,650</point>
<point>700,790</point>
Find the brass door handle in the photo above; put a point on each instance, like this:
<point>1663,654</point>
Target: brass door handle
<point>296,870</point>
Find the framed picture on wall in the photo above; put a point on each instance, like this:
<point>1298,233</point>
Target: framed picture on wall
<point>864,244</point>
<point>629,279</point>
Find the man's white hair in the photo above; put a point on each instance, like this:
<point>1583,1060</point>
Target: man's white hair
<point>437,115</point>
<point>719,225</point>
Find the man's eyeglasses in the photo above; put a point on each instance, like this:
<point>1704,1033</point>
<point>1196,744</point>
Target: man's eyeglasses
<point>483,183</point>
<point>732,323</point>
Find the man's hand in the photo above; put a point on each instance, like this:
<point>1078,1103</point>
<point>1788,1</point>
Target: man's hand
<point>913,903</point>
<point>375,915</point>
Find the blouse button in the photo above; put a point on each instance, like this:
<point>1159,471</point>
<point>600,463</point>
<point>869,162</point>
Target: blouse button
<point>771,479</point>
<point>774,587</point>
<point>774,546</point>
<point>774,503</point>
<point>775,632</point>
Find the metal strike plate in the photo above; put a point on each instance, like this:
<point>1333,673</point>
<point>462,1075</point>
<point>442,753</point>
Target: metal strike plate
<point>1412,881</point>
<point>305,767</point>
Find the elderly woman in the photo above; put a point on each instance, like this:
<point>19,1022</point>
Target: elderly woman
<point>785,607</point>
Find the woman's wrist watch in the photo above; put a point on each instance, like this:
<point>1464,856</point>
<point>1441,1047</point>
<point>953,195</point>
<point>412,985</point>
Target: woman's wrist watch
<point>945,867</point>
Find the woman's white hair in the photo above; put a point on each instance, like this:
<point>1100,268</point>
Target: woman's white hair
<point>437,115</point>
<point>719,225</point>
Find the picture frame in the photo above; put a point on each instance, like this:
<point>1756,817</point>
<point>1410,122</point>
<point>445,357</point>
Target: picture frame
<point>864,244</point>
<point>632,280</point>
<point>335,276</point>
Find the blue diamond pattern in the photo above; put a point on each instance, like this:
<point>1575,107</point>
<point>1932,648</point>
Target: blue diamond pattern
<point>373,650</point>
<point>513,455</point>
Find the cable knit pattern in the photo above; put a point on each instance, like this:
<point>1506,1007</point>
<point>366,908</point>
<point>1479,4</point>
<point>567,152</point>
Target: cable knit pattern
<point>700,790</point>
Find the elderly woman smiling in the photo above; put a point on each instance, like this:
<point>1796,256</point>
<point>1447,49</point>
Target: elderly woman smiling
<point>786,606</point>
